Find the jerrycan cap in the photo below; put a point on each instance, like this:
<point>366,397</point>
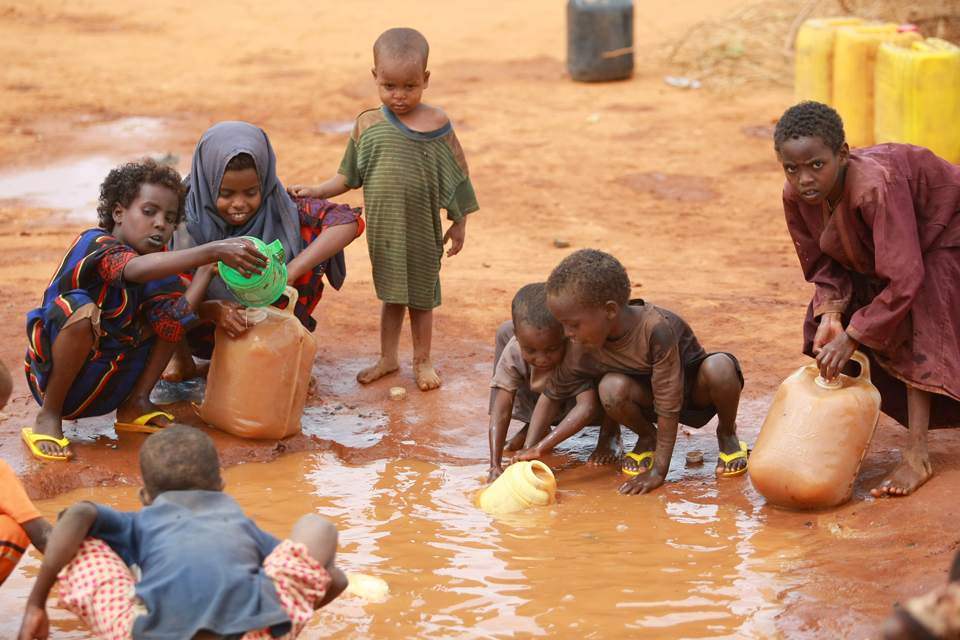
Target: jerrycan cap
<point>905,28</point>
<point>253,315</point>
<point>836,384</point>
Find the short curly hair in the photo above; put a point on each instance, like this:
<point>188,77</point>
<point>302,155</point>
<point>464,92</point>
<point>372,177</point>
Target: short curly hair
<point>240,162</point>
<point>810,120</point>
<point>122,186</point>
<point>179,458</point>
<point>530,308</point>
<point>591,277</point>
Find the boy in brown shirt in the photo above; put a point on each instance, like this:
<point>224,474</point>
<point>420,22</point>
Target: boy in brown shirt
<point>642,363</point>
<point>528,350</point>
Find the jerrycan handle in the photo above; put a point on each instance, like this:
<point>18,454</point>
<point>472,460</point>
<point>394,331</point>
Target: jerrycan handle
<point>293,295</point>
<point>276,250</point>
<point>864,363</point>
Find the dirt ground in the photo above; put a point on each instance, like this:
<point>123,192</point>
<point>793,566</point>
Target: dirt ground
<point>681,185</point>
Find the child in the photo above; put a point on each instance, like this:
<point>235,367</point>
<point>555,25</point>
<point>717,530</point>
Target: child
<point>93,343</point>
<point>234,191</point>
<point>932,616</point>
<point>529,348</point>
<point>20,522</point>
<point>877,232</point>
<point>649,365</point>
<point>207,571</point>
<point>407,158</point>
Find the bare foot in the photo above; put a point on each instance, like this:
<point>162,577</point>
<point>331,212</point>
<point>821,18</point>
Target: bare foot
<point>729,444</point>
<point>609,449</point>
<point>136,407</point>
<point>914,469</point>
<point>376,371</point>
<point>516,442</point>
<point>48,424</point>
<point>427,377</point>
<point>184,367</point>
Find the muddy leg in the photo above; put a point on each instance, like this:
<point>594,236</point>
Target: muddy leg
<point>6,385</point>
<point>319,536</point>
<point>516,442</point>
<point>609,443</point>
<point>914,468</point>
<point>70,352</point>
<point>622,399</point>
<point>391,321</point>
<point>421,324</point>
<point>138,404</point>
<point>718,384</point>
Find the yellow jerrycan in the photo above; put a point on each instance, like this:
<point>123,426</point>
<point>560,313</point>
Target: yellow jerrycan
<point>918,95</point>
<point>814,438</point>
<point>521,485</point>
<point>814,58</point>
<point>854,63</point>
<point>257,385</point>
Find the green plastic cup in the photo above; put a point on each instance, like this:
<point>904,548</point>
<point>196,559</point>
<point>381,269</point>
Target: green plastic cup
<point>259,290</point>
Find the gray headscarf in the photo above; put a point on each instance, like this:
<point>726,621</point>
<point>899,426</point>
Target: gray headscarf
<point>277,217</point>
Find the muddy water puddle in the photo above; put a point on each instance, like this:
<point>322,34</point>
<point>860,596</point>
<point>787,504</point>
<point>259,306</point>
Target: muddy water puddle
<point>596,564</point>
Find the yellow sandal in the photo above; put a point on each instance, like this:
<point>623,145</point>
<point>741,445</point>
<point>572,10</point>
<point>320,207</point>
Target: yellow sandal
<point>31,439</point>
<point>727,459</point>
<point>140,424</point>
<point>646,455</point>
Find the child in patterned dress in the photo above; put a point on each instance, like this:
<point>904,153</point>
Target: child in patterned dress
<point>206,570</point>
<point>407,158</point>
<point>115,309</point>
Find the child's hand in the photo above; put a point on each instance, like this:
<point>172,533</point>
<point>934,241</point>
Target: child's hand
<point>242,255</point>
<point>533,453</point>
<point>495,472</point>
<point>301,191</point>
<point>457,233</point>
<point>36,624</point>
<point>643,483</point>
<point>226,315</point>
<point>831,326</point>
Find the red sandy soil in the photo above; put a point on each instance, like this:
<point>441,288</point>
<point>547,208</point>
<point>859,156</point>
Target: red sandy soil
<point>681,185</point>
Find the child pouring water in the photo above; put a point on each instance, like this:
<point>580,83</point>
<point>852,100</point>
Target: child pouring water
<point>409,162</point>
<point>206,570</point>
<point>528,349</point>
<point>644,365</point>
<point>115,309</point>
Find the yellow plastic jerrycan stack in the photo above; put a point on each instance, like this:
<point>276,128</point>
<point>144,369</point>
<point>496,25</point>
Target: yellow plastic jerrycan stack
<point>521,485</point>
<point>257,385</point>
<point>814,59</point>
<point>814,438</point>
<point>854,63</point>
<point>918,95</point>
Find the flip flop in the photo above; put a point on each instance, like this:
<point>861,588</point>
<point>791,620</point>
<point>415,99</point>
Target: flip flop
<point>639,458</point>
<point>32,439</point>
<point>140,424</point>
<point>727,459</point>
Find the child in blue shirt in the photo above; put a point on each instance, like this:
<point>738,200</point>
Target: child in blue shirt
<point>207,571</point>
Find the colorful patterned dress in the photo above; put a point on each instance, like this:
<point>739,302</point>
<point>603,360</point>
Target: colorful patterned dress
<point>131,314</point>
<point>407,177</point>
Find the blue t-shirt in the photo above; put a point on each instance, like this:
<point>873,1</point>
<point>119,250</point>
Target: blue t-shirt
<point>201,560</point>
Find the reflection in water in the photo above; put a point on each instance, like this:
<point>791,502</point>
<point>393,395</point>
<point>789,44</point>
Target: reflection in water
<point>596,564</point>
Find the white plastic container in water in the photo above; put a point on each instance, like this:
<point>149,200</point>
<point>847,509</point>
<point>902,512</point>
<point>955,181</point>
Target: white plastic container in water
<point>257,386</point>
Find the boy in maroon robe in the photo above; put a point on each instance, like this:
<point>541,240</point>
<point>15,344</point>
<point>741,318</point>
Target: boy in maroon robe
<point>877,232</point>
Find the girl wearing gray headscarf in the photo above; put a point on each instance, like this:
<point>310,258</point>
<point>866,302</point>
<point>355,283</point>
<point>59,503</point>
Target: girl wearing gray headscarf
<point>234,191</point>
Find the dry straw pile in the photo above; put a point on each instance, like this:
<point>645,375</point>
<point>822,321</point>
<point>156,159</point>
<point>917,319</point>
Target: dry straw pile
<point>755,42</point>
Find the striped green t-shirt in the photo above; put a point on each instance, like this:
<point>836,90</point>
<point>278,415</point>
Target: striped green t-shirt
<point>407,177</point>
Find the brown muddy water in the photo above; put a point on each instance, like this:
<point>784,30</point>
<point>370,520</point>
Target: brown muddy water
<point>595,565</point>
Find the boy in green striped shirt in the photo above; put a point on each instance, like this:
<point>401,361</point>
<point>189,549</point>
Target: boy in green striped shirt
<point>407,158</point>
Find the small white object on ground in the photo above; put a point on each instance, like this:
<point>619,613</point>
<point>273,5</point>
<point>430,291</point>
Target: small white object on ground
<point>367,587</point>
<point>398,393</point>
<point>683,83</point>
